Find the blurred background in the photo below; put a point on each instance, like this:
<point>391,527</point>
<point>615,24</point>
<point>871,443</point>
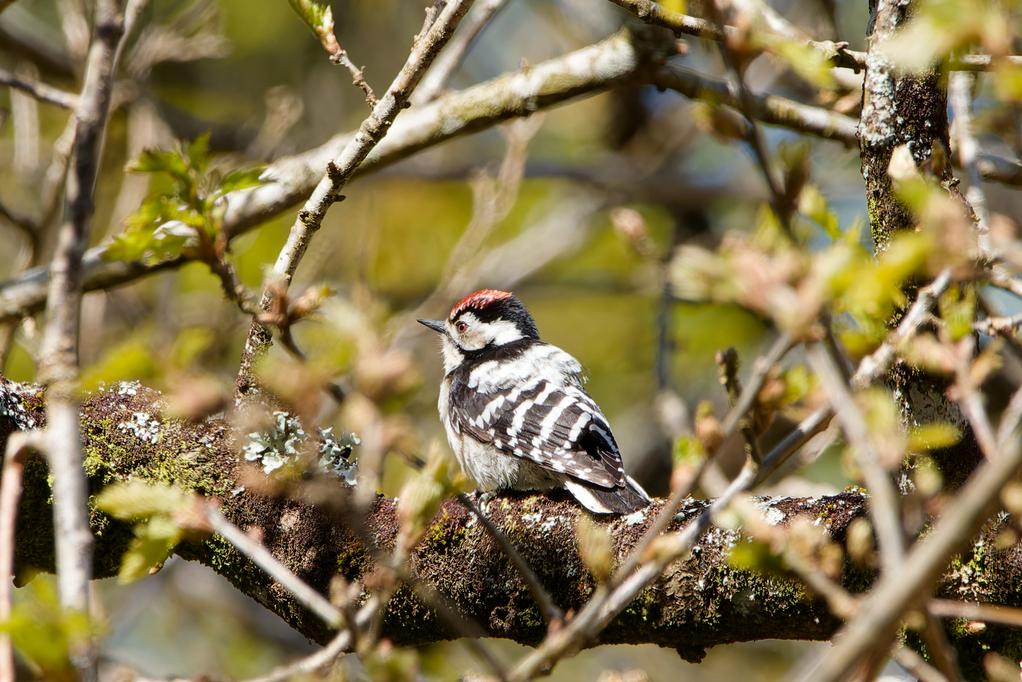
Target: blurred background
<point>576,210</point>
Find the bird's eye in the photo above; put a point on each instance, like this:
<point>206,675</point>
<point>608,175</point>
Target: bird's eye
<point>462,327</point>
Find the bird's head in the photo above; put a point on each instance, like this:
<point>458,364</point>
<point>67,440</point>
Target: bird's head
<point>485,319</point>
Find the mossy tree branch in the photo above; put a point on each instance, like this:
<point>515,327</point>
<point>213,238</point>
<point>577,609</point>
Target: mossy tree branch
<point>700,602</point>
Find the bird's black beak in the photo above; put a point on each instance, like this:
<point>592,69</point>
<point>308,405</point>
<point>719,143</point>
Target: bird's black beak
<point>435,325</point>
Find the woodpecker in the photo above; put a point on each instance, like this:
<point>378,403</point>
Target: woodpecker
<point>516,413</point>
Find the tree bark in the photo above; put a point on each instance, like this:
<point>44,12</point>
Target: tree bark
<point>699,603</point>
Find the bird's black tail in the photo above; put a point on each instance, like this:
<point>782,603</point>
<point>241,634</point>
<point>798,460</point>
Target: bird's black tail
<point>623,500</point>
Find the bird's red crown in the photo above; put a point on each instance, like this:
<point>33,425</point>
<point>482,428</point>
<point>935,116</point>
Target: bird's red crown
<point>479,300</point>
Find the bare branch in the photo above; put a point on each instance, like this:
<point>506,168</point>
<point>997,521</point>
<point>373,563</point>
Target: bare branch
<point>895,592</point>
<point>656,14</point>
<point>988,613</point>
<point>358,77</point>
<point>445,66</point>
<point>328,654</point>
<point>435,34</point>
<point>885,508</point>
<point>19,445</point>
<point>917,665</point>
<point>616,60</point>
<point>41,91</point>
<point>771,109</point>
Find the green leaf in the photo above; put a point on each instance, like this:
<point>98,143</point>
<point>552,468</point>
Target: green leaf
<point>933,436</point>
<point>133,500</point>
<point>44,632</point>
<point>198,152</point>
<point>156,161</point>
<point>812,204</point>
<point>811,65</point>
<point>755,556</point>
<point>142,555</point>
<point>129,246</point>
<point>242,179</point>
<point>131,359</point>
<point>320,20</point>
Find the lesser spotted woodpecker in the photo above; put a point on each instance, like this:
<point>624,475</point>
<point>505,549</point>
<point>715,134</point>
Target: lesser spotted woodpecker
<point>516,413</point>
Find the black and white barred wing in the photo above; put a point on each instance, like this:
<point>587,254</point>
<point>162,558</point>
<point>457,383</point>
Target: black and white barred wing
<point>548,419</point>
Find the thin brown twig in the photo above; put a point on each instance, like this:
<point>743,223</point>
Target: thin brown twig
<point>987,613</point>
<point>917,665</point>
<point>998,325</point>
<point>551,612</point>
<point>894,593</point>
<point>656,14</point>
<point>358,76</point>
<point>19,445</point>
<point>747,107</point>
<point>727,362</point>
<point>22,222</point>
<point>443,69</point>
<point>761,368</point>
<point>885,507</point>
<point>935,639</point>
<point>439,26</point>
<point>770,109</point>
<point>341,643</point>
<point>41,91</point>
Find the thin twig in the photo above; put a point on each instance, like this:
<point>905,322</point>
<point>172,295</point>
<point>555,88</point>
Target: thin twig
<point>987,613</point>
<point>917,665</point>
<point>436,32</point>
<point>884,507</point>
<point>941,653</point>
<point>19,445</point>
<point>875,365</point>
<point>1010,419</point>
<point>551,612</point>
<point>895,592</point>
<point>22,222</point>
<point>358,76</point>
<point>41,91</point>
<point>656,14</point>
<point>770,109</point>
<point>960,100</point>
<point>968,397</point>
<point>58,356</point>
<point>998,325</point>
<point>746,105</point>
<point>445,66</point>
<point>607,603</point>
<point>328,654</point>
<point>727,362</point>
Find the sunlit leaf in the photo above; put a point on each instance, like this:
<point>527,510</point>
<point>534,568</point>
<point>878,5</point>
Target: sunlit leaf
<point>142,556</point>
<point>135,500</point>
<point>933,436</point>
<point>814,205</point>
<point>320,20</point>
<point>156,161</point>
<point>131,359</point>
<point>198,152</point>
<point>755,556</point>
<point>812,65</point>
<point>242,179</point>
